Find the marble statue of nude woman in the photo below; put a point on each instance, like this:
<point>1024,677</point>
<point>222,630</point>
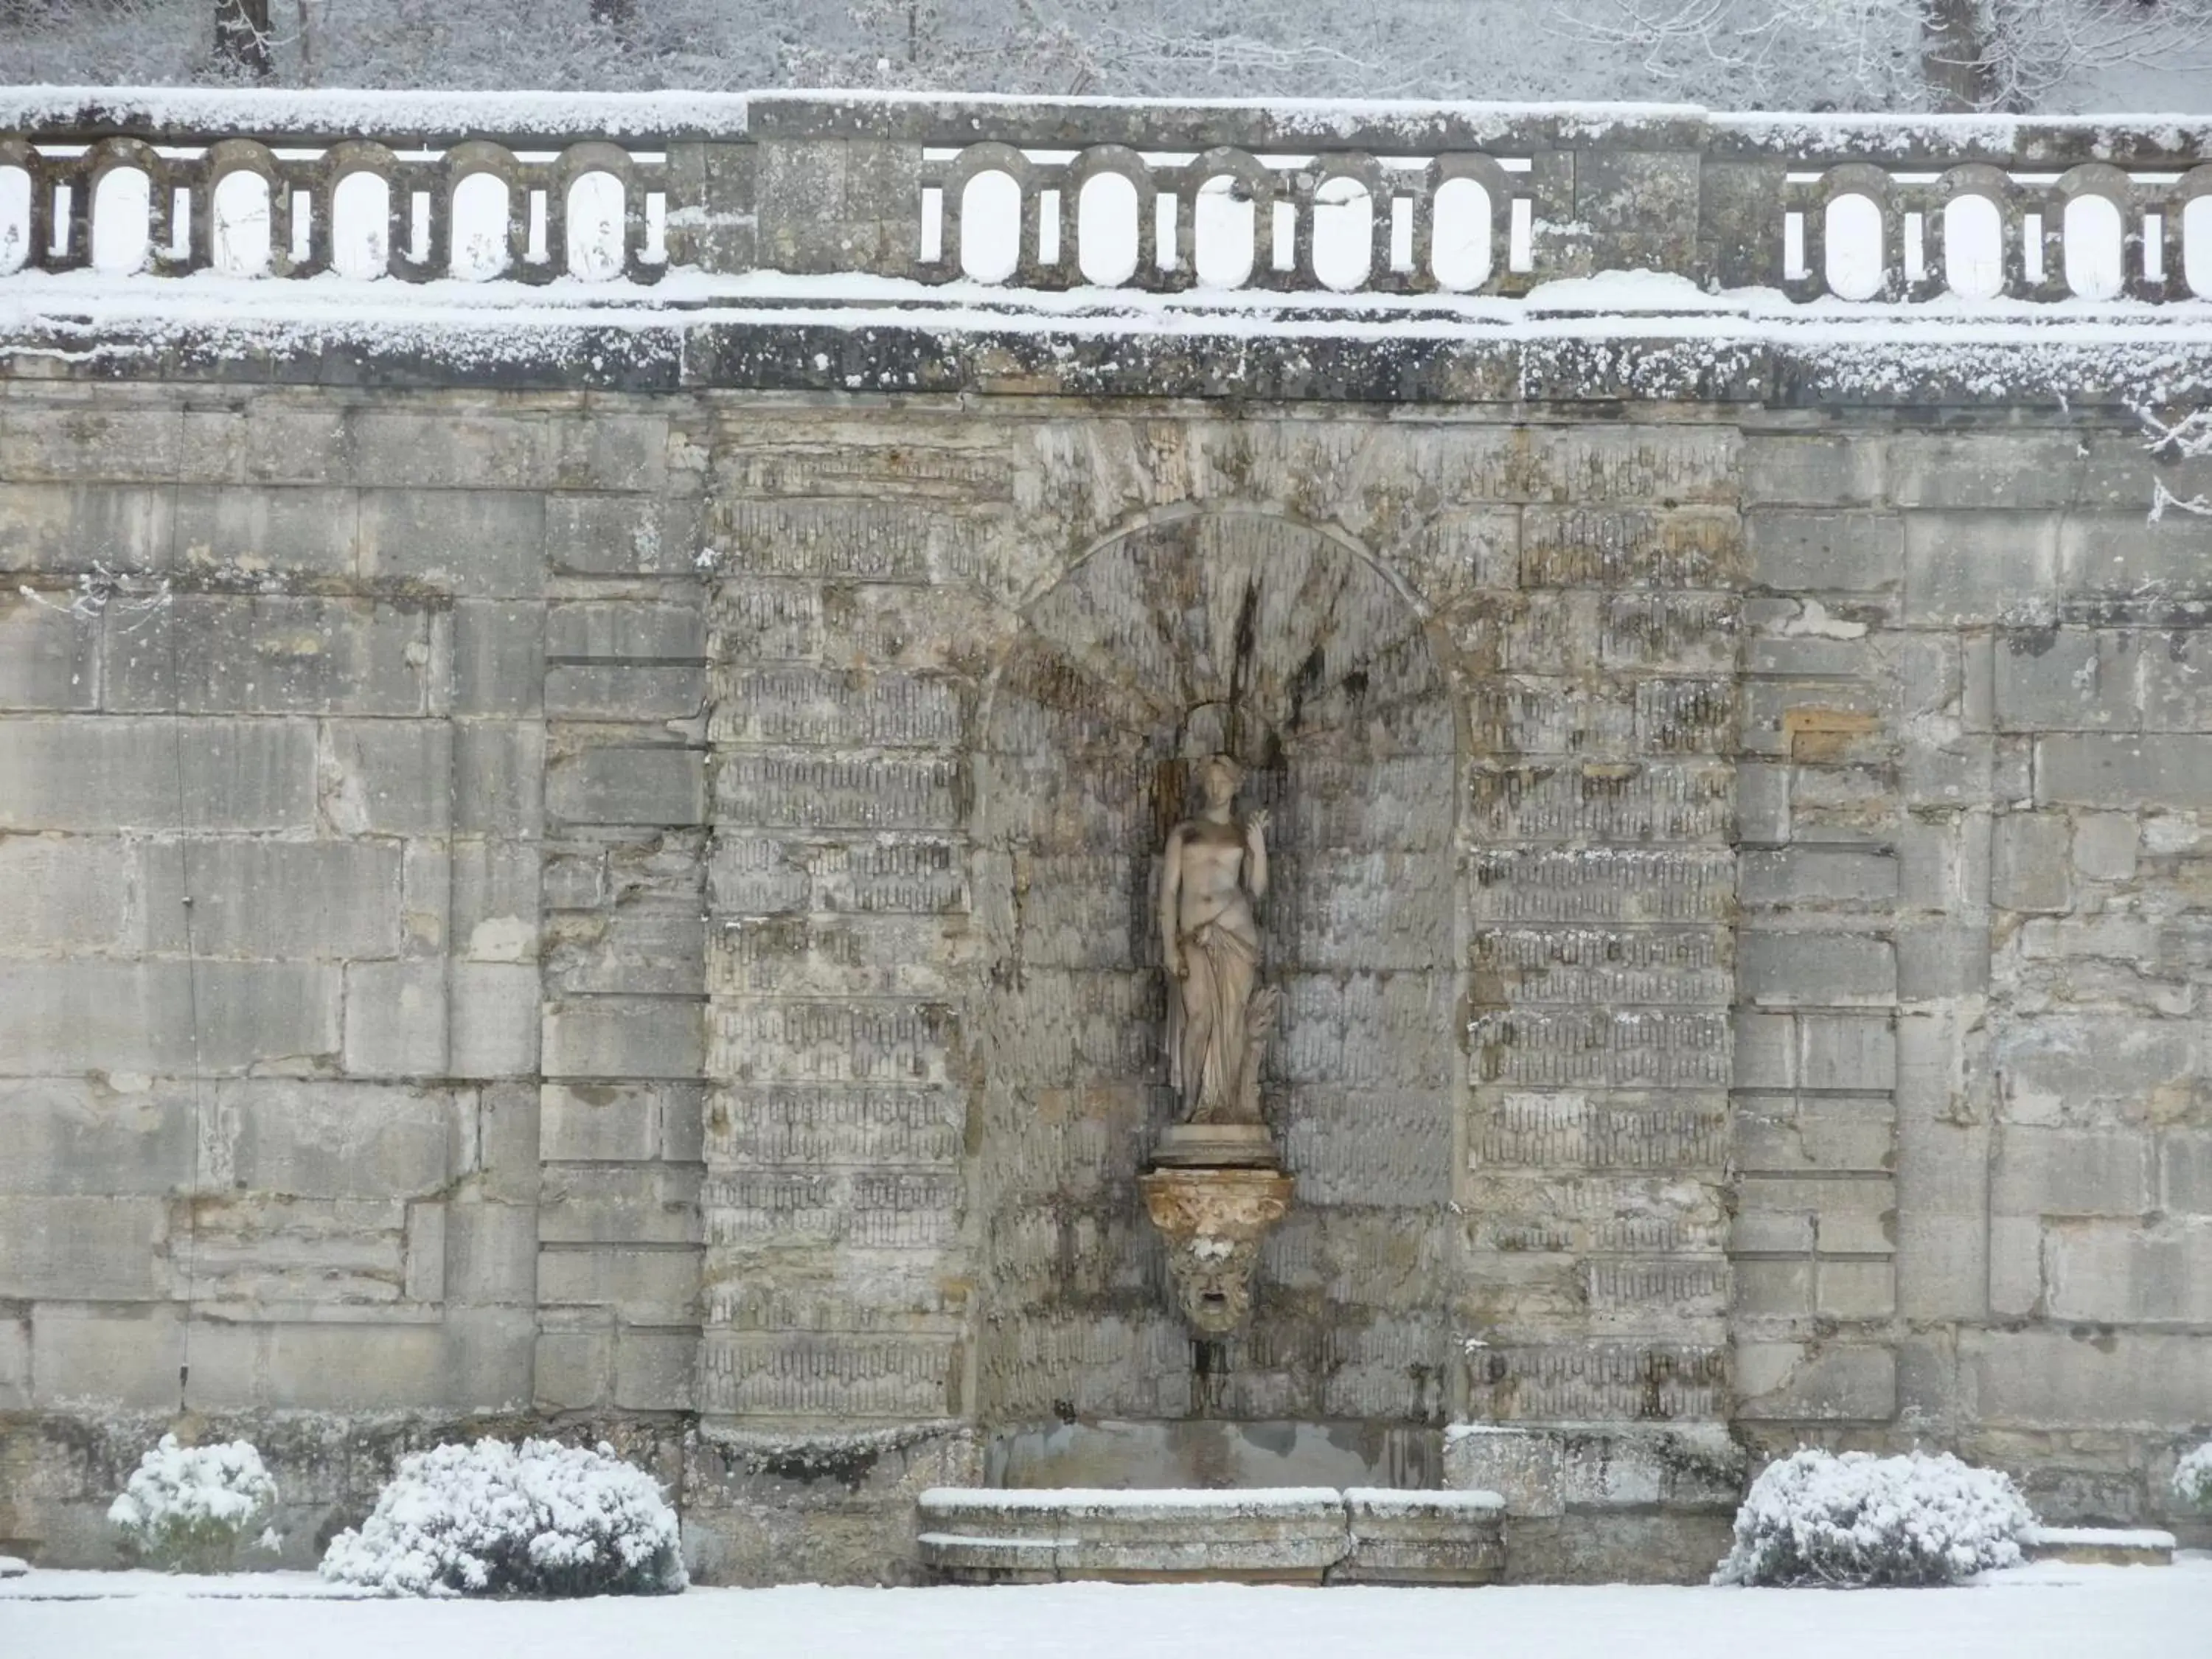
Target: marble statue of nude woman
<point>1218,1016</point>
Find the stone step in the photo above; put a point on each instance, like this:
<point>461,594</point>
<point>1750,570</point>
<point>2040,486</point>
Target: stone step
<point>1283,1535</point>
<point>2110,1546</point>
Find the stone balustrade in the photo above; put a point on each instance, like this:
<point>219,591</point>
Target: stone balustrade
<point>1356,199</point>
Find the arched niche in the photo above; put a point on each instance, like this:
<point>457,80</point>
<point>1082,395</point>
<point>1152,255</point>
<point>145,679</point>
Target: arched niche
<point>1292,650</point>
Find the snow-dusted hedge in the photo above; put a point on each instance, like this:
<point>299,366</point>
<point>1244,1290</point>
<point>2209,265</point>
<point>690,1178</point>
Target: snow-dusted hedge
<point>192,1509</point>
<point>1817,1518</point>
<point>493,1519</point>
<point>2192,1477</point>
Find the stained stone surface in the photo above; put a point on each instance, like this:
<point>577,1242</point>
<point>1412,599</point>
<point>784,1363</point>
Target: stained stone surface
<point>1308,1536</point>
<point>1740,874</point>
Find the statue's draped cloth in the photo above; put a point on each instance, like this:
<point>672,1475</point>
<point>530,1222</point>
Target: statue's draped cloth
<point>1216,1026</point>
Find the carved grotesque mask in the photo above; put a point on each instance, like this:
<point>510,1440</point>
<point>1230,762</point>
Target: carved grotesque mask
<point>1215,1282</point>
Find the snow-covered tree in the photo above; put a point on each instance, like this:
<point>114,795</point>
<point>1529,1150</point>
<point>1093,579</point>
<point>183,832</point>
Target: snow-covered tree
<point>492,1519</point>
<point>242,36</point>
<point>1853,1519</point>
<point>195,1509</point>
<point>1778,54</point>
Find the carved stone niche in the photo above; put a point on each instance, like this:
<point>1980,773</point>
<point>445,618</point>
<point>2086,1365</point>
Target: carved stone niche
<point>1214,1220</point>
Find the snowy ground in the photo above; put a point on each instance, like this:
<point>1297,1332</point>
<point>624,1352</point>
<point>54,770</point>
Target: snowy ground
<point>2098,1612</point>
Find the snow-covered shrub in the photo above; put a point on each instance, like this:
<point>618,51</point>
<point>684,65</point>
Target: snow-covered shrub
<point>1817,1518</point>
<point>492,1519</point>
<point>2192,1477</point>
<point>191,1509</point>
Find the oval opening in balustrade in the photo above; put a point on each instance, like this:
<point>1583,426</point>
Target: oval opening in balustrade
<point>2195,244</point>
<point>2093,239</point>
<point>15,218</point>
<point>595,227</point>
<point>1343,234</point>
<point>239,242</point>
<point>479,227</point>
<point>122,220</point>
<point>1222,223</point>
<point>1857,267</point>
<point>360,225</point>
<point>1106,230</point>
<point>990,227</point>
<point>1459,235</point>
<point>1973,247</point>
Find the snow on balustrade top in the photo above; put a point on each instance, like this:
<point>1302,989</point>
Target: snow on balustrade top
<point>1389,126</point>
<point>328,113</point>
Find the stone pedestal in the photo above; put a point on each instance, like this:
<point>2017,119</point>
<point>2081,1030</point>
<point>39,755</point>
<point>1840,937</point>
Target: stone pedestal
<point>1214,1218</point>
<point>1216,1146</point>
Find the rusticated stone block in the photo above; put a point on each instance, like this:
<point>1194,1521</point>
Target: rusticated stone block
<point>166,1017</point>
<point>1813,469</point>
<point>1833,969</point>
<point>85,1249</point>
<point>2129,1273</point>
<point>2062,1066</point>
<point>337,1139</point>
<point>49,654</point>
<point>1799,552</point>
<point>387,777</point>
<point>2088,1377</point>
<point>622,1037</point>
<point>1597,1381</point>
<point>2071,1172</point>
<point>477,543</point>
<point>1422,1538</point>
<point>1524,1467</point>
<point>116,1356</point>
<point>652,1286</point>
<point>499,657</point>
<point>119,442</point>
<point>396,1019</point>
<point>655,1370</point>
<point>2029,864</point>
<point>491,1255</point>
<point>326,900</point>
<point>105,775</point>
<point>1792,1382</point>
<point>622,536</point>
<point>852,1376</point>
<point>1963,568</point>
<point>68,527</point>
<point>2169,769</point>
<point>69,894</point>
<point>495,1020</point>
<point>659,784</point>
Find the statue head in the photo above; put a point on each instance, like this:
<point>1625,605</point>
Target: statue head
<point>1218,777</point>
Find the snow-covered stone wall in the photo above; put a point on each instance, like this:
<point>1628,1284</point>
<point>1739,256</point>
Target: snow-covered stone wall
<point>591,868</point>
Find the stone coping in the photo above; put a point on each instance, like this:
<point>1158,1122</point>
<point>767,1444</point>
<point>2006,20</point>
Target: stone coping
<point>873,352</point>
<point>1013,1508</point>
<point>2099,1545</point>
<point>1285,1535</point>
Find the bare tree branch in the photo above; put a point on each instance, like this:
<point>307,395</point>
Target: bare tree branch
<point>242,36</point>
